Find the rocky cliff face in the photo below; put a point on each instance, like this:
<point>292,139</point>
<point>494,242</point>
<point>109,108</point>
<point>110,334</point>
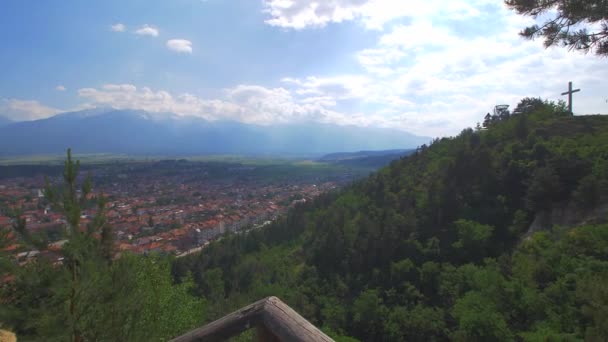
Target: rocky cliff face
<point>568,216</point>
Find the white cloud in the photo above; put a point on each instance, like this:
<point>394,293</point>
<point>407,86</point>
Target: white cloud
<point>180,45</point>
<point>338,87</point>
<point>147,30</point>
<point>118,27</point>
<point>128,96</point>
<point>25,110</point>
<point>245,103</point>
<point>251,104</point>
<point>300,14</point>
<point>60,88</point>
<point>272,105</point>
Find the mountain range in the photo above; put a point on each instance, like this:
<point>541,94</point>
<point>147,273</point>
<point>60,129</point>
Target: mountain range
<point>140,132</point>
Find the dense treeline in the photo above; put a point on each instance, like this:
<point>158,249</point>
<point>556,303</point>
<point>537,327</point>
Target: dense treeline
<point>432,247</point>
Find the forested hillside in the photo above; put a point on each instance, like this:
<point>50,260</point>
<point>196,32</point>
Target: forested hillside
<point>434,246</point>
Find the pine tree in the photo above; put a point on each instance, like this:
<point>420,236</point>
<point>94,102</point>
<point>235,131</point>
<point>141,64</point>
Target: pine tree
<point>83,252</point>
<point>576,24</point>
<point>487,120</point>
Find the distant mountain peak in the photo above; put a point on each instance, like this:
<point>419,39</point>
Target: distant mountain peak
<point>111,130</point>
<point>84,113</point>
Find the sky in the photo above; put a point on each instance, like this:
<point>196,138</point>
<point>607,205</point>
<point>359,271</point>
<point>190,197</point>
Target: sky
<point>428,67</point>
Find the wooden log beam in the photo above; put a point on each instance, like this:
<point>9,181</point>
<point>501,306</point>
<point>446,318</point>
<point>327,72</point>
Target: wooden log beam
<point>265,335</point>
<point>227,326</point>
<point>288,325</point>
<point>270,316</point>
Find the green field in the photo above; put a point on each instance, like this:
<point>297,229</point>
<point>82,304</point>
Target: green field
<point>217,166</point>
<point>104,158</point>
<point>57,159</point>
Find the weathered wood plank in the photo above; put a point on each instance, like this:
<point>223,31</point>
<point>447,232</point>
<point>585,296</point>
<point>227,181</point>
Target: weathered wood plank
<point>288,325</point>
<point>227,326</point>
<point>270,316</point>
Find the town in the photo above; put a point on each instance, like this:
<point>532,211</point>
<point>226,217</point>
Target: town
<point>172,207</point>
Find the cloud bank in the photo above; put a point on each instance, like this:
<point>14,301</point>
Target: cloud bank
<point>25,110</point>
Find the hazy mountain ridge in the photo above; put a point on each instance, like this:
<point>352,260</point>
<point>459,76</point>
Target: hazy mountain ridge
<point>360,154</point>
<point>5,121</point>
<point>370,159</point>
<point>140,132</point>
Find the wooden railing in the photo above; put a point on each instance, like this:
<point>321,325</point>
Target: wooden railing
<point>273,320</point>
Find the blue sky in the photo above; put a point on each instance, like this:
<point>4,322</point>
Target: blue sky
<point>430,67</point>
